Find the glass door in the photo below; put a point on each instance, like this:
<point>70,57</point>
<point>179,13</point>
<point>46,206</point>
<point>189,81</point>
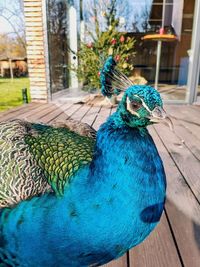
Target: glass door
<point>57,18</point>
<point>163,60</point>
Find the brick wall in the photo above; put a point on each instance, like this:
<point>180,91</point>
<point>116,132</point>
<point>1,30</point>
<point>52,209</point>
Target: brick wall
<point>37,54</point>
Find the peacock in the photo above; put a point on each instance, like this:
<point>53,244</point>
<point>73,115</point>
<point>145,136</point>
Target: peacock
<point>71,196</point>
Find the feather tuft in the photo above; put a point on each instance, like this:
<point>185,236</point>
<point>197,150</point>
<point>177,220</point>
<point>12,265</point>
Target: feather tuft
<point>112,80</point>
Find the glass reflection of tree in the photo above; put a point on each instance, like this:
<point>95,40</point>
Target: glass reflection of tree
<point>57,31</point>
<point>140,22</point>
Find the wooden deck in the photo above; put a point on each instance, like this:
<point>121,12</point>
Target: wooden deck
<point>176,241</point>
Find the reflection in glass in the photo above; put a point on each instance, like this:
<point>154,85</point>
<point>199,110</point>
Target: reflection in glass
<point>138,18</point>
<point>57,36</point>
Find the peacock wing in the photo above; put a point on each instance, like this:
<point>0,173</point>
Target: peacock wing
<point>37,158</point>
<point>61,150</point>
<point>20,175</point>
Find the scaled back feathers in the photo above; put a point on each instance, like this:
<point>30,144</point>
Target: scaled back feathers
<point>38,158</point>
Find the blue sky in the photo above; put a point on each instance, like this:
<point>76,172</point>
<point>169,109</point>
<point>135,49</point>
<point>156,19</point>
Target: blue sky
<point>134,12</point>
<point>4,26</point>
<point>7,7</point>
<point>133,8</point>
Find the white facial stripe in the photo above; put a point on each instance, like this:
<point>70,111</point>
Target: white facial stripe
<point>144,104</point>
<point>130,109</point>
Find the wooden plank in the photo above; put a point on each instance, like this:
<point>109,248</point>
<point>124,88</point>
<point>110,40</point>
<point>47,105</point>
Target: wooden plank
<point>32,4</point>
<point>182,209</point>
<point>184,112</point>
<point>187,137</point>
<point>91,116</point>
<point>40,74</point>
<point>33,24</point>
<point>195,106</point>
<point>55,114</point>
<point>81,113</point>
<point>62,117</point>
<point>39,98</point>
<point>40,1</point>
<point>36,57</point>
<point>38,71</point>
<point>187,117</point>
<point>35,27</point>
<point>38,51</point>
<point>38,86</point>
<point>41,108</point>
<point>157,250</point>
<point>195,129</point>
<point>40,62</point>
<point>33,14</point>
<point>102,116</point>
<point>35,34</point>
<point>72,108</point>
<point>37,89</point>
<point>185,160</point>
<point>38,79</point>
<point>32,38</point>
<point>35,116</point>
<point>34,66</point>
<point>33,8</point>
<point>121,262</point>
<point>22,107</point>
<point>20,113</point>
<point>38,46</point>
<point>37,19</point>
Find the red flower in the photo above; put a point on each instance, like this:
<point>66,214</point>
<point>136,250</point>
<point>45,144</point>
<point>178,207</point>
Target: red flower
<point>122,39</point>
<point>90,45</point>
<point>113,41</point>
<point>117,58</point>
<point>99,73</point>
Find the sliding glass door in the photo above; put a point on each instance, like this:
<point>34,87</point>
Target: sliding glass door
<point>57,17</point>
<point>162,61</point>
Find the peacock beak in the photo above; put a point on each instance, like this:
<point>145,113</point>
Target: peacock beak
<point>158,114</point>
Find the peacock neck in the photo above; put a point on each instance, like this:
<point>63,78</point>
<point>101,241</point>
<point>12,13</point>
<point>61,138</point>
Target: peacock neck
<point>116,146</point>
<point>121,119</point>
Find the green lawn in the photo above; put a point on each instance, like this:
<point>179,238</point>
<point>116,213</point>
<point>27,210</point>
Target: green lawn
<point>11,92</point>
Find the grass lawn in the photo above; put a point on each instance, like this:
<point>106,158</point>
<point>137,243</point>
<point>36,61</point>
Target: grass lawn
<point>11,92</point>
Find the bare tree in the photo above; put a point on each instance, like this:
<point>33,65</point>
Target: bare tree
<point>14,15</point>
<point>100,14</point>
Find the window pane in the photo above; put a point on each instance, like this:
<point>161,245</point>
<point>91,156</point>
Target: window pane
<point>57,37</point>
<point>139,18</point>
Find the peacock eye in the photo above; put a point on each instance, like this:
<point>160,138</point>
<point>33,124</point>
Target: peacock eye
<point>135,105</point>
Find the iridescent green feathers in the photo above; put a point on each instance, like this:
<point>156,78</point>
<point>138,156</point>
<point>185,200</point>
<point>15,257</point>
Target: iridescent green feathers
<point>60,153</point>
<point>37,158</point>
<point>20,175</point>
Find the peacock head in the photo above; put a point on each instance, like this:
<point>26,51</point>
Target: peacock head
<point>141,105</point>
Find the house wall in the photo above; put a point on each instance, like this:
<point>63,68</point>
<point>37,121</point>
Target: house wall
<point>36,49</point>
